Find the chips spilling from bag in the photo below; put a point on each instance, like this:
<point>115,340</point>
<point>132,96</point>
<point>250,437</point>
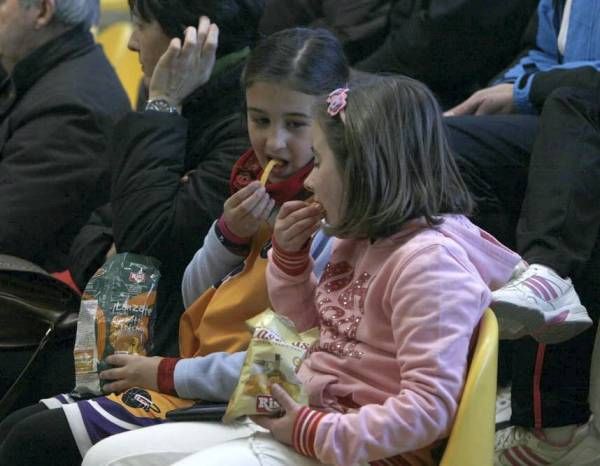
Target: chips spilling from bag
<point>115,316</point>
<point>274,355</point>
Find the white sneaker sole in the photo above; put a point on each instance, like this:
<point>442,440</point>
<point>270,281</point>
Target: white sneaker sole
<point>545,327</point>
<point>587,453</point>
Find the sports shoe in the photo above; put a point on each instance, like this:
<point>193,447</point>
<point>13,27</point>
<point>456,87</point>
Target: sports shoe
<point>540,303</point>
<point>517,446</point>
<point>503,408</point>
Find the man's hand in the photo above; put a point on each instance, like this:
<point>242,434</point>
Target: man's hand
<point>489,101</point>
<point>282,428</point>
<point>182,69</point>
<point>132,371</point>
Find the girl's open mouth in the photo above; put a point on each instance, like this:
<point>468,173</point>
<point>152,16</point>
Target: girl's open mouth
<point>280,167</point>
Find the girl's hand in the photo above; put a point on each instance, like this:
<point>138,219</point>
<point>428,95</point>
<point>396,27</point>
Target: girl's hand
<point>181,70</point>
<point>282,428</point>
<point>295,224</point>
<point>133,371</point>
<point>247,209</point>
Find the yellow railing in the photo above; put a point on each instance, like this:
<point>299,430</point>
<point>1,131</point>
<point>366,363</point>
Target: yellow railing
<point>114,41</point>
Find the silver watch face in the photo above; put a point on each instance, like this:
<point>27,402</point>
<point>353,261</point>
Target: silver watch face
<point>160,105</point>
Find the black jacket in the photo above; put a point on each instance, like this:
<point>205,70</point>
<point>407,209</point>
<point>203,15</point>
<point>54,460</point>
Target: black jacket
<point>57,110</point>
<point>154,212</point>
<point>454,46</point>
<point>358,24</point>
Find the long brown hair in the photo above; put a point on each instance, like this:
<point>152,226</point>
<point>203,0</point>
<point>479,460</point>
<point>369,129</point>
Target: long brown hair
<point>394,158</point>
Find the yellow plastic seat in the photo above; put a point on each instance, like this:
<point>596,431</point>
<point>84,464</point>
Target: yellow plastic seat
<point>471,441</point>
<point>114,5</point>
<point>114,41</point>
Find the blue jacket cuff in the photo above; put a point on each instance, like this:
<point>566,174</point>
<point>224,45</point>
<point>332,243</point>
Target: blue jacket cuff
<point>521,90</point>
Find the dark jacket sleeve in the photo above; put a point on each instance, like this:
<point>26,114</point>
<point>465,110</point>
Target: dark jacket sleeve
<point>283,14</point>
<point>51,173</point>
<point>449,42</point>
<point>88,251</point>
<point>358,24</point>
<point>545,82</point>
<point>154,212</point>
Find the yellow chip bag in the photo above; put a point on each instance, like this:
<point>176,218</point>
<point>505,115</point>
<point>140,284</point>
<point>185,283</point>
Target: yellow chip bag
<point>274,355</point>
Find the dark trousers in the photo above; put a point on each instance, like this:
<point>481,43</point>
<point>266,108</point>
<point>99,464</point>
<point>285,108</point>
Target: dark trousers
<point>37,436</point>
<point>542,175</point>
<point>52,373</point>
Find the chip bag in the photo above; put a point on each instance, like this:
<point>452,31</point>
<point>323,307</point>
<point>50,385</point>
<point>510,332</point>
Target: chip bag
<point>274,355</point>
<point>115,316</point>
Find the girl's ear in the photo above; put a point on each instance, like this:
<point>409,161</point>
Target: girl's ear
<point>45,13</point>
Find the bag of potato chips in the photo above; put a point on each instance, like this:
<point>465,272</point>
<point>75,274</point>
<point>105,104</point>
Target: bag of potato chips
<point>115,316</point>
<point>274,355</point>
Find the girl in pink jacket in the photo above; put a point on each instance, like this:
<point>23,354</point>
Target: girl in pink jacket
<point>406,284</point>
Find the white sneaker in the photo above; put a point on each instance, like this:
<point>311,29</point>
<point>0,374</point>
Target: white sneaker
<point>540,303</point>
<point>518,446</point>
<point>503,407</point>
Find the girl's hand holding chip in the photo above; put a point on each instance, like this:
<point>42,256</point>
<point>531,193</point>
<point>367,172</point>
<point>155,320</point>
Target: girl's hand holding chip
<point>296,223</point>
<point>132,371</point>
<point>247,209</point>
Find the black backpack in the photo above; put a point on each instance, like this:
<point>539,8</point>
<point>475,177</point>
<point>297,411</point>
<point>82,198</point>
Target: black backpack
<point>35,307</point>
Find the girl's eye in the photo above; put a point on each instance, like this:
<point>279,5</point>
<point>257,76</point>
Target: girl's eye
<point>296,124</point>
<point>139,25</point>
<point>260,121</point>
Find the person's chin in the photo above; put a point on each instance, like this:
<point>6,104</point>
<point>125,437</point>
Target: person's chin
<point>277,179</point>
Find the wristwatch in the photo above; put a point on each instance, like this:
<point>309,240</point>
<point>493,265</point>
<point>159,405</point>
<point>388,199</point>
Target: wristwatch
<point>160,105</point>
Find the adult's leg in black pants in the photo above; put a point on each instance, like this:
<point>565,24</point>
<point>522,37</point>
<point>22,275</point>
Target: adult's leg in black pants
<point>15,417</point>
<point>492,153</point>
<point>559,228</point>
<point>560,217</point>
<point>37,436</point>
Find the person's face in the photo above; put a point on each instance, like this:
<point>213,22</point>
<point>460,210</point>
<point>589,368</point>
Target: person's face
<point>150,42</point>
<point>18,26</point>
<point>279,126</point>
<point>325,179</point>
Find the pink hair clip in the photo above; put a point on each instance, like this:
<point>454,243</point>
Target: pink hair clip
<point>337,101</point>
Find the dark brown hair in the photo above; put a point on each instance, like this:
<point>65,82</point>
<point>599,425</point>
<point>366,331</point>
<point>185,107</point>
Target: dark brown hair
<point>310,61</point>
<point>391,149</point>
<point>237,19</point>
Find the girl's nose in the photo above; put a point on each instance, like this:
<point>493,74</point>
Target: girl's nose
<point>276,140</point>
<point>133,43</point>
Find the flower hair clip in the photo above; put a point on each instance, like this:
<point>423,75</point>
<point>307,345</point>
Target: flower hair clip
<point>337,101</point>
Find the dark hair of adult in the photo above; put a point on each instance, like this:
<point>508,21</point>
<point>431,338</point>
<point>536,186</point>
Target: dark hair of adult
<point>391,149</point>
<point>237,19</point>
<point>310,61</point>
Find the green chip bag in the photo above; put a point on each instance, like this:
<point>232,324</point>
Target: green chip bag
<point>115,316</point>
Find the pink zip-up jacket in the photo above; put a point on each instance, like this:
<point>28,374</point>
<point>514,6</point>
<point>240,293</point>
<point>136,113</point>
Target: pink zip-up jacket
<point>396,318</point>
